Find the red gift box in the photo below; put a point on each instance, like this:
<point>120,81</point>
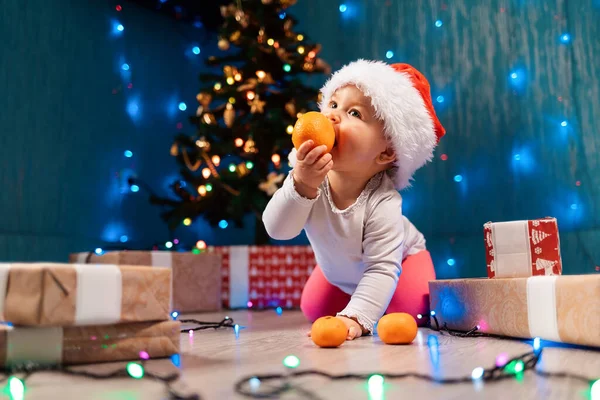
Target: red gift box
<point>518,249</point>
<point>264,276</point>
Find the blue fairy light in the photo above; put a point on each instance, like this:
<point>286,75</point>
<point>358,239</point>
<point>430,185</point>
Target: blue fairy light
<point>120,28</point>
<point>440,99</point>
<point>223,224</point>
<point>565,38</point>
<point>182,106</point>
<point>458,178</point>
<point>196,50</point>
<point>451,262</point>
<point>125,67</point>
<point>389,54</point>
<point>343,8</point>
<point>438,23</point>
<point>124,239</point>
<point>134,188</point>
<point>128,153</point>
<point>564,124</point>
<point>99,251</point>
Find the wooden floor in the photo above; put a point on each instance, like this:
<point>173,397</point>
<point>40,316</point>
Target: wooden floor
<point>212,361</point>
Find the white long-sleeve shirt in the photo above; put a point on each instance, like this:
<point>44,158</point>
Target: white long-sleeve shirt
<point>359,249</point>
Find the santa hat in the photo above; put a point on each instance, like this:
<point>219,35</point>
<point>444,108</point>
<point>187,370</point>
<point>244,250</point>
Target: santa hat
<point>401,98</point>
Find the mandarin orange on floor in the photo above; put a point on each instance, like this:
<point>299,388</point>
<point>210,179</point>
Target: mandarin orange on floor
<point>316,127</point>
<point>397,328</point>
<point>328,332</point>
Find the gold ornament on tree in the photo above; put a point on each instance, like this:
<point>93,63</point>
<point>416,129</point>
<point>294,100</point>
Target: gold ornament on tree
<point>204,98</point>
<point>229,115</point>
<point>250,146</point>
<point>257,105</point>
<point>223,44</point>
<point>242,170</point>
<point>290,107</point>
<point>271,185</point>
<point>203,144</point>
<point>235,36</point>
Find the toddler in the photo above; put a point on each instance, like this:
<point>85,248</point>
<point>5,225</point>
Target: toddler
<point>370,259</point>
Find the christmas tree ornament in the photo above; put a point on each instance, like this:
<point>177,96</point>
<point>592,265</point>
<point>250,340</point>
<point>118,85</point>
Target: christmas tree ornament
<point>223,44</point>
<point>204,98</point>
<point>203,144</point>
<point>229,115</point>
<point>250,146</point>
<point>257,105</point>
<point>290,108</point>
<point>235,37</point>
<point>209,119</point>
<point>272,183</point>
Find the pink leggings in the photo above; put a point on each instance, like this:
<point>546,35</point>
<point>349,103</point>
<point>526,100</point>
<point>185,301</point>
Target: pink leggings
<point>321,298</point>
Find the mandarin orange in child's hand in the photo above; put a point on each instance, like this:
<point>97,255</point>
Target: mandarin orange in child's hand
<point>397,328</point>
<point>328,332</point>
<point>316,127</point>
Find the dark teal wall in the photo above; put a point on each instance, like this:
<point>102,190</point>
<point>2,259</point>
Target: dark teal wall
<point>63,132</point>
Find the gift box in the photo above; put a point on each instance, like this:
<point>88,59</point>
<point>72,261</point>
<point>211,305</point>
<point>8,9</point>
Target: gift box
<point>557,308</point>
<point>264,276</point>
<point>196,277</point>
<point>522,248</point>
<point>52,294</point>
<point>87,344</point>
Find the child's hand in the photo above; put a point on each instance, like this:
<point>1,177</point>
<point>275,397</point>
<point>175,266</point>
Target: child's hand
<point>354,328</point>
<point>311,167</point>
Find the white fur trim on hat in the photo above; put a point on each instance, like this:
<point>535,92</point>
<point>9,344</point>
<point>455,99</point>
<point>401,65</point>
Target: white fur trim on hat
<point>408,126</point>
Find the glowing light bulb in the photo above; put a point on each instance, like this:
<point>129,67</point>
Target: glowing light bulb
<point>223,224</point>
<point>458,178</point>
<point>289,129</point>
<point>218,86</point>
<point>254,383</point>
<point>232,100</point>
<point>287,67</point>
<point>125,67</point>
<point>276,158</point>
<point>144,355</point>
<point>120,28</point>
<point>208,187</point>
<point>565,38</point>
<point>202,190</point>
<point>250,95</point>
<point>249,164</point>
<point>134,188</point>
<point>261,74</point>
<point>238,77</point>
<point>301,50</point>
<point>216,160</point>
<point>249,304</point>
<point>300,37</point>
<point>16,388</point>
<point>389,54</point>
<point>230,81</point>
<point>239,142</point>
<point>270,42</point>
<point>187,221</point>
<point>440,99</point>
<point>419,316</point>
<point>168,245</point>
<point>182,106</point>
<point>201,244</point>
<point>231,167</point>
<point>501,359</point>
<point>537,344</point>
<point>135,370</point>
<point>123,239</point>
<point>375,380</point>
<point>477,373</point>
<point>99,251</point>
<point>196,50</point>
<point>279,310</point>
<point>563,124</point>
<point>595,390</point>
<point>343,8</point>
<point>128,153</point>
<point>206,173</point>
<point>291,361</point>
<point>432,313</point>
<point>451,262</point>
<point>174,314</point>
<point>439,23</point>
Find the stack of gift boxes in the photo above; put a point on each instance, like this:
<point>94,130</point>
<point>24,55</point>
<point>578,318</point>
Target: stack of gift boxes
<point>232,277</point>
<point>525,294</point>
<point>84,313</point>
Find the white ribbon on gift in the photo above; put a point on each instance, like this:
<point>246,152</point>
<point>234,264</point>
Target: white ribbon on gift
<point>511,249</point>
<point>239,278</point>
<point>99,291</point>
<point>541,307</point>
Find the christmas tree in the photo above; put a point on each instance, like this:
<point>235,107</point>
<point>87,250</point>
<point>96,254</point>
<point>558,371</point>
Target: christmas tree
<point>237,158</point>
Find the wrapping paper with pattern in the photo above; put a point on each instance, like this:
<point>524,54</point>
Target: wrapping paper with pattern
<point>559,308</point>
<point>264,276</point>
<point>47,294</point>
<point>522,248</point>
<point>88,344</point>
<point>196,277</point>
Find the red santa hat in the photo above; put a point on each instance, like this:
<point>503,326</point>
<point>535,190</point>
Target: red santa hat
<point>401,98</point>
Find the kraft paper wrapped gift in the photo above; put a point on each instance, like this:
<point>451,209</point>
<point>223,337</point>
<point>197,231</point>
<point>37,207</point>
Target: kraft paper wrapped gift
<point>557,308</point>
<point>87,344</point>
<point>52,294</point>
<point>196,277</point>
<point>264,276</point>
<point>522,248</point>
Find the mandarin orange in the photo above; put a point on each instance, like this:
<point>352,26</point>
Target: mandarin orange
<point>328,332</point>
<point>397,328</point>
<point>316,127</point>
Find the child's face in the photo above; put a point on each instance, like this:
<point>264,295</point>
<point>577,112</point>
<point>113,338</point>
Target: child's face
<point>359,135</point>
